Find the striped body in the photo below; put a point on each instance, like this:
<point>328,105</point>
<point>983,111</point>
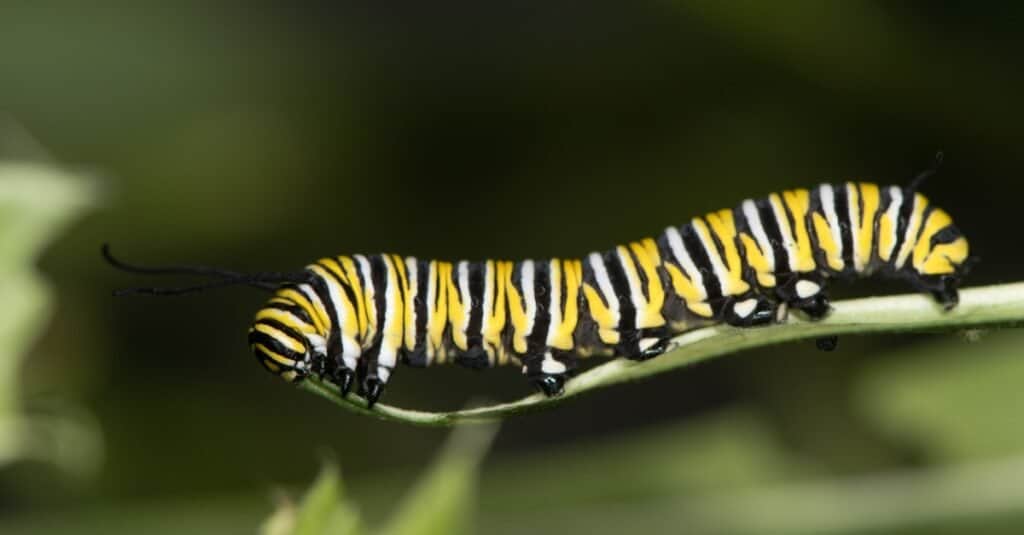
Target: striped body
<point>365,314</point>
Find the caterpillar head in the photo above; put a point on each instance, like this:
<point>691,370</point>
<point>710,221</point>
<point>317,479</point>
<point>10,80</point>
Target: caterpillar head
<point>284,337</point>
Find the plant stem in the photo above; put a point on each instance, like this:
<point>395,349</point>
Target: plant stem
<point>988,306</point>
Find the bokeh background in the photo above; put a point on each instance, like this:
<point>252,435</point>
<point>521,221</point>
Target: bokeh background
<point>259,136</point>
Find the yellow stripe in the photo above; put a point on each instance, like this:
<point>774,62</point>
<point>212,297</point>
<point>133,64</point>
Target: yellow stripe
<point>607,326</point>
<point>569,270</point>
<point>281,359</point>
<point>517,314</point>
<point>886,237</point>
<point>349,325</point>
<point>798,204</point>
<point>945,257</point>
<point>688,291</point>
<point>357,289</point>
<point>410,305</point>
<point>827,241</point>
<point>316,313</point>
<point>394,308</point>
<point>285,318</point>
<point>439,315</point>
<point>937,220</point>
<point>279,335</point>
<point>496,323</point>
<point>646,252</point>
<point>920,203</point>
<point>865,234</point>
<point>456,308</point>
<point>270,364</point>
<point>725,228</point>
<point>757,260</point>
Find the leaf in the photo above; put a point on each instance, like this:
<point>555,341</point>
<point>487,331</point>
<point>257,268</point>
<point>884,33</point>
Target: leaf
<point>443,502</point>
<point>323,510</point>
<point>36,202</point>
<point>1001,304</point>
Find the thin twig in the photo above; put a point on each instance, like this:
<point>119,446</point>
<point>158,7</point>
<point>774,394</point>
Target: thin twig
<point>999,305</point>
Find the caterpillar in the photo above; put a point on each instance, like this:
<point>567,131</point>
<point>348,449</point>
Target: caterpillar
<point>353,319</point>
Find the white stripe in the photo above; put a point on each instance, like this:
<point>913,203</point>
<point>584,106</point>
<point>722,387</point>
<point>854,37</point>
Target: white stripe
<point>828,203</point>
<point>893,213</point>
<point>788,240</point>
<point>854,210</point>
<point>605,284</point>
<point>388,355</point>
<point>431,300</point>
<point>910,235</point>
<point>488,299</point>
<point>350,347</point>
<point>754,221</point>
<point>717,264</point>
<point>411,267</point>
<point>467,300</point>
<point>526,281</point>
<point>551,366</point>
<point>369,299</point>
<point>744,308</point>
<point>635,293</point>
<point>555,303</point>
<point>675,242</point>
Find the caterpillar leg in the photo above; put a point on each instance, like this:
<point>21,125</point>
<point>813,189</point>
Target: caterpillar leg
<point>749,311</point>
<point>944,290</point>
<point>806,292</point>
<point>547,373</point>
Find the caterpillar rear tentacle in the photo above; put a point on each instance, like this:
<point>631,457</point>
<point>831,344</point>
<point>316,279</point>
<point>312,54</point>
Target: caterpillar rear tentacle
<point>360,316</point>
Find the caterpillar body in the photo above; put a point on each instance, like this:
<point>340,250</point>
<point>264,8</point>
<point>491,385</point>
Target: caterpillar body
<point>353,319</point>
<point>357,317</point>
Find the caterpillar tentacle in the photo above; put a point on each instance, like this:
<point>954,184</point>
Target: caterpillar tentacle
<point>357,317</point>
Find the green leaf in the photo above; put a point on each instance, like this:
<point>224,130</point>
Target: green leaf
<point>1001,304</point>
<point>323,510</point>
<point>443,501</point>
<point>36,202</point>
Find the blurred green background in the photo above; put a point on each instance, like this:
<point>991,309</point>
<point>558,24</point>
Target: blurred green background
<point>260,136</point>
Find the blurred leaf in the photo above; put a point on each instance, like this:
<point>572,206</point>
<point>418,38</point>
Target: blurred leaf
<point>323,510</point>
<point>36,202</point>
<point>443,502</point>
<point>956,398</point>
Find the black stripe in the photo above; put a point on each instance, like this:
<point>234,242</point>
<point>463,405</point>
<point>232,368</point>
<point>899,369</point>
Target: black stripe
<point>334,336</point>
<point>420,302</point>
<point>640,273</point>
<point>627,312</point>
<point>590,277</point>
<point>884,200</point>
<point>814,207</point>
<point>537,340</point>
<point>273,344</point>
<point>292,333</point>
<point>347,289</point>
<point>379,274</point>
<point>902,223</point>
<point>694,246</point>
<point>771,229</point>
<point>476,304</point>
<point>295,310</point>
<point>842,209</point>
<point>947,234</point>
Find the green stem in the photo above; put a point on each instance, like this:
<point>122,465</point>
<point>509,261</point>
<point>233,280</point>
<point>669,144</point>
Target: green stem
<point>979,307</point>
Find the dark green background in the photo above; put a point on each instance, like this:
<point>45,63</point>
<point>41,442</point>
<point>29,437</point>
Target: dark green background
<point>261,136</point>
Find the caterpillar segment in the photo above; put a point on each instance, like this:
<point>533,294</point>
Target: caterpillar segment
<point>357,317</point>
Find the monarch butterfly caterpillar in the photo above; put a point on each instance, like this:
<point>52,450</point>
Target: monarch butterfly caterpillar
<point>353,319</point>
